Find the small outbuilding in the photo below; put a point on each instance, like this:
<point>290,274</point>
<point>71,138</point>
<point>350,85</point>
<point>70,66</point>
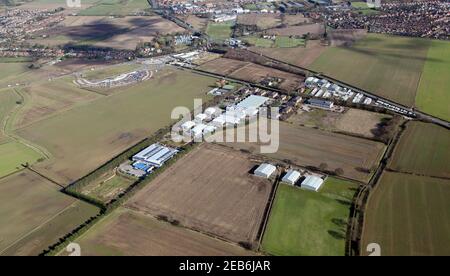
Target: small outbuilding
<point>291,177</point>
<point>265,170</point>
<point>187,125</point>
<point>199,118</point>
<point>312,182</point>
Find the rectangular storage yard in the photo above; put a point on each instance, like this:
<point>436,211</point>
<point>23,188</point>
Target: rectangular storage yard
<point>209,190</point>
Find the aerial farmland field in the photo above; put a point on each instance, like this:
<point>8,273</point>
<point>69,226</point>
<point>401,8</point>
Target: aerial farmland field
<point>85,137</point>
<point>368,122</point>
<point>219,197</point>
<point>300,56</point>
<point>8,101</point>
<point>306,146</point>
<point>105,31</point>
<point>385,65</point>
<point>116,7</point>
<point>34,213</point>
<point>251,72</point>
<point>13,155</point>
<point>423,149</point>
<point>219,31</point>
<point>432,95</point>
<point>11,69</point>
<point>309,223</point>
<point>50,98</point>
<point>106,187</point>
<point>128,232</point>
<point>409,215</point>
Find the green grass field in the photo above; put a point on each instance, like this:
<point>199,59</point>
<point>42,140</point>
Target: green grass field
<point>280,42</point>
<point>8,100</point>
<point>423,149</point>
<point>30,204</point>
<point>107,189</point>
<point>388,66</point>
<point>309,223</point>
<point>116,7</point>
<point>287,42</point>
<point>50,98</point>
<point>220,31</point>
<point>84,137</point>
<point>11,69</point>
<point>259,42</point>
<point>363,8</point>
<point>49,233</point>
<point>409,215</point>
<point>13,154</point>
<point>433,95</point>
<point>110,71</point>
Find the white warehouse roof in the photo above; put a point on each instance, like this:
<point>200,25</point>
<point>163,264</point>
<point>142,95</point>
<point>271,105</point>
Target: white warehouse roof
<point>188,125</point>
<point>200,117</point>
<point>252,102</point>
<point>291,177</point>
<point>265,170</point>
<point>155,155</point>
<point>312,182</point>
<point>210,111</point>
<point>198,129</point>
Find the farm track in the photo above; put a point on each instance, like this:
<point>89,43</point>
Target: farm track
<point>8,126</point>
<point>356,226</point>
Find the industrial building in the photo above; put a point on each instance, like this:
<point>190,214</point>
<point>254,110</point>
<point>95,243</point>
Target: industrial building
<point>197,131</point>
<point>154,156</point>
<point>291,177</point>
<point>265,170</point>
<point>312,183</point>
<point>186,126</point>
<point>199,118</point>
<point>321,104</point>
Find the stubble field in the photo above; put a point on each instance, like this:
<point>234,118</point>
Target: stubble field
<point>210,190</point>
<point>129,233</point>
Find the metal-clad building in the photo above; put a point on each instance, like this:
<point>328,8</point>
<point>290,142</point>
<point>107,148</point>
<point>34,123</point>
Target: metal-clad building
<point>312,182</point>
<point>155,155</point>
<point>265,170</point>
<point>291,177</point>
<point>320,103</point>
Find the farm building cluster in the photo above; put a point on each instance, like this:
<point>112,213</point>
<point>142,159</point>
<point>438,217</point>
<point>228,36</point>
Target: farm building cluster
<point>304,179</point>
<point>286,104</point>
<point>322,88</point>
<point>214,118</point>
<point>147,160</point>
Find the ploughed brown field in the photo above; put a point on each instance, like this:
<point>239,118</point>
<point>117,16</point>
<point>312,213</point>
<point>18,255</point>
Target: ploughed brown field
<point>251,72</point>
<point>127,232</point>
<point>209,190</point>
